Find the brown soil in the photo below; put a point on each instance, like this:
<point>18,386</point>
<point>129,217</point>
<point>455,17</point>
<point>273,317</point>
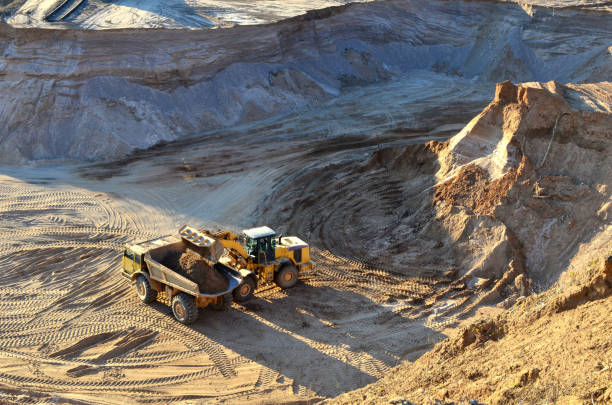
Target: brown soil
<point>473,189</point>
<point>550,348</point>
<point>189,264</point>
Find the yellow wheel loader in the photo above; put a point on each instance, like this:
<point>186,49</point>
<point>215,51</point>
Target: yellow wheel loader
<point>263,257</point>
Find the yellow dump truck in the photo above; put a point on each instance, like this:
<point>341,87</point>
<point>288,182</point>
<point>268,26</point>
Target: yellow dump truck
<point>263,257</point>
<point>142,264</point>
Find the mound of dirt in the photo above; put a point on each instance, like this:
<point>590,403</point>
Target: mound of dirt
<point>189,264</point>
<point>523,191</point>
<point>550,348</point>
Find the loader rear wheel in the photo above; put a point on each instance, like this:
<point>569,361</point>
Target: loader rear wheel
<point>287,276</point>
<point>223,303</point>
<point>184,308</point>
<point>144,290</point>
<point>245,290</point>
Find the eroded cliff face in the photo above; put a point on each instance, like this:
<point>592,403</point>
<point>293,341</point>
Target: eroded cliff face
<point>499,210</point>
<point>521,207</point>
<point>103,94</point>
<point>536,162</point>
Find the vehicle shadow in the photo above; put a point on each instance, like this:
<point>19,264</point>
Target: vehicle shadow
<point>324,339</point>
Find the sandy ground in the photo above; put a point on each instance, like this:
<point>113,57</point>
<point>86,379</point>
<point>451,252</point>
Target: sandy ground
<point>79,312</point>
<point>336,128</point>
<point>65,306</point>
<point>551,348</point>
<point>75,328</point>
<point>75,224</point>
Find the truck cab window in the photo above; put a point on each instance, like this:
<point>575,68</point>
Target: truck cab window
<point>129,254</point>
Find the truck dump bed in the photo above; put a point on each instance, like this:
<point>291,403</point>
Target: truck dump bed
<point>158,271</point>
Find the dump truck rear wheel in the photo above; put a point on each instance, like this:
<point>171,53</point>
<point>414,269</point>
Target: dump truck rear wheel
<point>224,303</point>
<point>144,290</point>
<point>184,308</point>
<point>245,290</point>
<point>287,276</point>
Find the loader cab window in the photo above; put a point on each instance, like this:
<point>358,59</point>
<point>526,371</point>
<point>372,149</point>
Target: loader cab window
<point>261,248</point>
<point>265,250</point>
<point>260,244</point>
<point>251,246</point>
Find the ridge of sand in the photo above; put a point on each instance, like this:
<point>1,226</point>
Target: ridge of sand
<point>102,95</point>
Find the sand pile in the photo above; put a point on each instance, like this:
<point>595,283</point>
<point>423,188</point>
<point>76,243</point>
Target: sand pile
<point>189,264</point>
<point>551,348</point>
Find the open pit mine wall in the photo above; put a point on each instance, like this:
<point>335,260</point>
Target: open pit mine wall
<point>88,95</point>
<point>542,153</point>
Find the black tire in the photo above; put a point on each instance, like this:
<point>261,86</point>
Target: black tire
<point>287,276</point>
<point>144,290</point>
<point>224,303</point>
<point>184,308</point>
<point>245,290</point>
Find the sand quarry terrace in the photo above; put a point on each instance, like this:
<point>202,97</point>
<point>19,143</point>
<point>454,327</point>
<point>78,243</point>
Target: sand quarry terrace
<point>448,162</point>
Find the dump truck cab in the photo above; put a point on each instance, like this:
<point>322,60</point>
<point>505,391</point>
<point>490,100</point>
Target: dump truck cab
<point>133,259</point>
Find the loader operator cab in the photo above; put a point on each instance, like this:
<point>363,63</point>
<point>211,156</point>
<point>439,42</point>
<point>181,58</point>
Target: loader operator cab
<point>259,243</point>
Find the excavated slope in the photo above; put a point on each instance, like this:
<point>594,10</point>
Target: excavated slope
<point>523,194</point>
<point>551,348</point>
<point>339,125</point>
<point>517,191</point>
<point>102,94</point>
<point>401,257</point>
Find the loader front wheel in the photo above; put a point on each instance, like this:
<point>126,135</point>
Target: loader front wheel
<point>144,290</point>
<point>245,290</point>
<point>223,303</point>
<point>287,276</point>
<point>184,308</point>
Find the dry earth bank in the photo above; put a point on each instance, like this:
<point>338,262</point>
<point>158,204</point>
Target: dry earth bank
<point>524,187</point>
<point>102,94</point>
<point>553,347</point>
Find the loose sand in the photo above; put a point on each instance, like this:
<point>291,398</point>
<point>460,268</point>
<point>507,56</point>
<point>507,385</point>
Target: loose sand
<point>65,305</point>
<point>318,127</point>
<point>189,264</point>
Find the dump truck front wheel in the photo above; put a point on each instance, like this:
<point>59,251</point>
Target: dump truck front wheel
<point>184,308</point>
<point>223,303</point>
<point>144,290</point>
<point>287,276</point>
<point>245,290</point>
